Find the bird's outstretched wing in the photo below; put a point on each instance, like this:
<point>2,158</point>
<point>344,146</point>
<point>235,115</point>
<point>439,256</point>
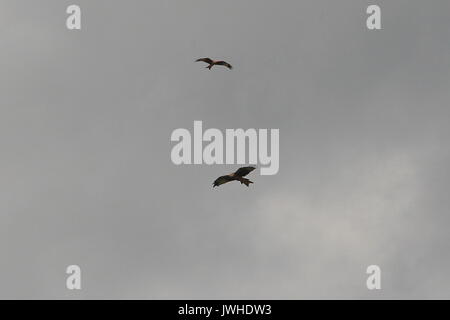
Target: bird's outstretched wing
<point>224,63</point>
<point>207,60</point>
<point>222,180</point>
<point>242,172</point>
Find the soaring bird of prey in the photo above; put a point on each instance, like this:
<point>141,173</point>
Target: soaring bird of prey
<point>212,63</point>
<point>238,176</point>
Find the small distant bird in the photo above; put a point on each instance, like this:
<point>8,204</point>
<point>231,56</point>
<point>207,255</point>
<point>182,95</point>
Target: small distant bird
<point>213,63</point>
<point>238,176</point>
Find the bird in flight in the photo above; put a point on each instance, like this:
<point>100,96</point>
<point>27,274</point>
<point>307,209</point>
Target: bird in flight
<point>238,176</point>
<point>212,63</point>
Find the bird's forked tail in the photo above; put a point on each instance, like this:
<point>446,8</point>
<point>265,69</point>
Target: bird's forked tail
<point>245,181</point>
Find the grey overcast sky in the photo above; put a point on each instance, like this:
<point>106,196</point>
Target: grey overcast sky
<point>86,176</point>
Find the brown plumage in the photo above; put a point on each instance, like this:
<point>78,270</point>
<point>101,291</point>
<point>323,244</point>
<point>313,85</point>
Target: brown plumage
<point>238,176</point>
<point>212,63</point>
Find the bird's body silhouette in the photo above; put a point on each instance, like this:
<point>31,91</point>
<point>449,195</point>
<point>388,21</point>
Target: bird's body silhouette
<point>212,63</point>
<point>235,176</point>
